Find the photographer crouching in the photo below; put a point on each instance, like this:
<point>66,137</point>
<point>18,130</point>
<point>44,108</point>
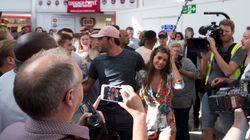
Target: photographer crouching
<point>224,60</point>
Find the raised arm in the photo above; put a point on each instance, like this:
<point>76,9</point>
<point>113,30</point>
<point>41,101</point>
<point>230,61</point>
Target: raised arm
<point>88,84</point>
<point>132,103</point>
<point>227,69</point>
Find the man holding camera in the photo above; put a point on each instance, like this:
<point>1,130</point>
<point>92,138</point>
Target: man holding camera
<point>224,60</point>
<point>48,87</point>
<point>237,131</point>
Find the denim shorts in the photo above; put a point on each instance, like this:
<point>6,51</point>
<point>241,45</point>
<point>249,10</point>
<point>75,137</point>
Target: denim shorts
<point>209,118</point>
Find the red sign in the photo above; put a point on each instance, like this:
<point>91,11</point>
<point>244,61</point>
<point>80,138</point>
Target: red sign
<point>83,6</point>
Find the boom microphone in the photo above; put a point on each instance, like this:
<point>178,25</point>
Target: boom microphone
<point>217,13</point>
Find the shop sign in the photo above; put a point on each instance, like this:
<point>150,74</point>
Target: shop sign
<point>83,6</point>
<point>87,22</point>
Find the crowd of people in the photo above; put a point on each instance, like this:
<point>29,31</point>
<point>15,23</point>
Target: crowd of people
<point>45,77</point>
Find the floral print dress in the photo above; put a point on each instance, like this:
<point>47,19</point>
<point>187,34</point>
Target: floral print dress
<point>160,116</point>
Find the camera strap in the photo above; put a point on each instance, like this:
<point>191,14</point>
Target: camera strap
<point>229,55</point>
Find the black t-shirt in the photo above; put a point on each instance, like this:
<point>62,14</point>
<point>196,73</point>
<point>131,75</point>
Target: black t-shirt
<point>116,70</point>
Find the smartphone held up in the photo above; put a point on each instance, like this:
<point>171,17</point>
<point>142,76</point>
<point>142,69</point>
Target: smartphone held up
<point>111,93</point>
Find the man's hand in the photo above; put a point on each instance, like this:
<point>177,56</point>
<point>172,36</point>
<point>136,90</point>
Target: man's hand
<point>132,102</point>
<point>212,44</point>
<point>173,56</point>
<point>238,126</point>
<point>82,120</point>
<point>218,81</point>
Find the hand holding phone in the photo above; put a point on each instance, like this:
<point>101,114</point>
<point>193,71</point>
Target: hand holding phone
<point>111,93</point>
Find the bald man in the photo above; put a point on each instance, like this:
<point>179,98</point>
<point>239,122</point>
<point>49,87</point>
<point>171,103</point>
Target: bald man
<point>124,40</point>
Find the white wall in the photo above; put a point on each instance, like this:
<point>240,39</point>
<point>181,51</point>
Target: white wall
<point>158,12</point>
<point>15,5</point>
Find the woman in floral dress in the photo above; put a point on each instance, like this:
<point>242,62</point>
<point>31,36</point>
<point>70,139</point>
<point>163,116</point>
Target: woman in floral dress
<point>160,76</point>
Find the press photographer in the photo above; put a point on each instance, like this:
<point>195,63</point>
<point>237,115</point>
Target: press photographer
<point>223,60</point>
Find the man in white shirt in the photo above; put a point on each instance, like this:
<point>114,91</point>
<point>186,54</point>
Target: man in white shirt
<point>150,40</point>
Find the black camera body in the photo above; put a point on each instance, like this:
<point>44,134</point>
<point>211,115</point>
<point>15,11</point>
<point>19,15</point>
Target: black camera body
<point>97,128</point>
<point>228,99</point>
<point>201,44</point>
<point>211,30</point>
<point>178,61</point>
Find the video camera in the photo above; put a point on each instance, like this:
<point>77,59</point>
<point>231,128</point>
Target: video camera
<point>228,99</point>
<point>201,44</point>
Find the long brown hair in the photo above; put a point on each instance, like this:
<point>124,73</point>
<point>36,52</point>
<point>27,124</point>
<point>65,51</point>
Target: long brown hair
<point>150,69</point>
<point>79,45</point>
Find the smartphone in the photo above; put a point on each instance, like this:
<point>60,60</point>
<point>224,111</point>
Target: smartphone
<point>111,93</point>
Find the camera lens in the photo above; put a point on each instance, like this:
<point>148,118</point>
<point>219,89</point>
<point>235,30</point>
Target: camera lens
<point>93,121</point>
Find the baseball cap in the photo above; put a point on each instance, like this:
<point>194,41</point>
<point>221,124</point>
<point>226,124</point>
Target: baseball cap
<point>109,31</point>
<point>162,34</point>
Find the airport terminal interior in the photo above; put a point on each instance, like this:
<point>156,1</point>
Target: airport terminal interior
<point>185,61</point>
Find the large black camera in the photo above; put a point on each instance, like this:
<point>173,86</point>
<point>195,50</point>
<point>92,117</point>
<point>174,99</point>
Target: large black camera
<point>228,99</point>
<point>97,129</point>
<point>211,30</point>
<point>201,44</point>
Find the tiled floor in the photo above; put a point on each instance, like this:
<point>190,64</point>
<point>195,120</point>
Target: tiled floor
<point>195,133</point>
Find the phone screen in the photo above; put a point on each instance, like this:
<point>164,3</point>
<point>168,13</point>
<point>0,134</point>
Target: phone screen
<point>111,93</point>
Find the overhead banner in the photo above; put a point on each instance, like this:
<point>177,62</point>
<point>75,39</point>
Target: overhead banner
<point>83,6</point>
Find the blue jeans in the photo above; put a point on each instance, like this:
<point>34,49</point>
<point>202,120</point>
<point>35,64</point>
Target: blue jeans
<point>181,118</point>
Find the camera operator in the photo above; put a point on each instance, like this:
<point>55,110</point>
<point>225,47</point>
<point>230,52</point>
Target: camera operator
<point>245,42</point>
<point>238,127</point>
<point>224,60</point>
<point>48,87</point>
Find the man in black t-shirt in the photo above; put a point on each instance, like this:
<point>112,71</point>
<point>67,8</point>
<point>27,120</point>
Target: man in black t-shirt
<point>117,67</point>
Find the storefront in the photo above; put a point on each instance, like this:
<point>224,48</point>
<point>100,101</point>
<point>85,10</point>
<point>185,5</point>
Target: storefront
<point>73,14</point>
<point>16,16</point>
<point>56,14</point>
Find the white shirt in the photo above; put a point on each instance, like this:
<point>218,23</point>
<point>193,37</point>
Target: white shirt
<point>246,70</point>
<point>9,110</point>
